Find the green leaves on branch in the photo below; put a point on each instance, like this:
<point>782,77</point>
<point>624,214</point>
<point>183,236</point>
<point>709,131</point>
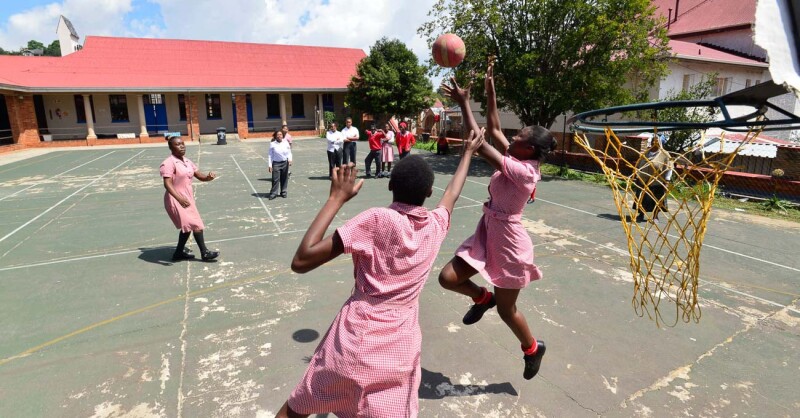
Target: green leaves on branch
<point>390,81</point>
<point>555,56</point>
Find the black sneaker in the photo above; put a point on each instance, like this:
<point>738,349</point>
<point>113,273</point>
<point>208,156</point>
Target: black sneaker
<point>284,195</point>
<point>533,362</point>
<point>368,175</point>
<point>475,313</point>
<point>210,255</point>
<point>272,197</point>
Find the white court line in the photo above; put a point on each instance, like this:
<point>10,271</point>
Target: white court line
<point>66,198</point>
<point>52,177</point>
<point>260,200</point>
<point>139,250</point>
<point>624,253</point>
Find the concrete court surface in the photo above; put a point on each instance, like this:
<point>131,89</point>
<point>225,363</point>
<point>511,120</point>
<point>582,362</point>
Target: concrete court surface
<point>96,322</point>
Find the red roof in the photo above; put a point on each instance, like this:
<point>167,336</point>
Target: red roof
<point>159,65</point>
<point>692,51</point>
<point>696,16</point>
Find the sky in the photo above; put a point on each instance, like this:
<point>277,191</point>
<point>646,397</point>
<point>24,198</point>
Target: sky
<point>338,23</point>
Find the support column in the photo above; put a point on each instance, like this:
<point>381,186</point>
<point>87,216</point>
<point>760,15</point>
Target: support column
<point>283,108</point>
<point>241,116</point>
<point>142,120</point>
<point>321,113</point>
<point>91,137</point>
<point>193,117</point>
<point>22,118</point>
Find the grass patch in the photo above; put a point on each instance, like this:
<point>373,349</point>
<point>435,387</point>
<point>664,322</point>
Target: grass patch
<point>427,146</point>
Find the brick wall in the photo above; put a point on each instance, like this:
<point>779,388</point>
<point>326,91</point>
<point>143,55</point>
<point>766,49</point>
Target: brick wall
<point>788,160</point>
<point>22,117</point>
<point>241,116</point>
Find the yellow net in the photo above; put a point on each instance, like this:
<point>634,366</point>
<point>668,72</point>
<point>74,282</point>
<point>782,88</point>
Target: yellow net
<point>664,252</point>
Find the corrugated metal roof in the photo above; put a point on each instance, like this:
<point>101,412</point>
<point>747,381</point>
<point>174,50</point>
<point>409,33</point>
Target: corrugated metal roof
<point>135,64</point>
<point>752,149</point>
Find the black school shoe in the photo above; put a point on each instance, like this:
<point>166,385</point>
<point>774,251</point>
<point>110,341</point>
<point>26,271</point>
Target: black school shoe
<point>210,255</point>
<point>533,361</point>
<point>475,313</point>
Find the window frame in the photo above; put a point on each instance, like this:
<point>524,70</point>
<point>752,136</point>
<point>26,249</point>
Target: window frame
<point>274,113</point>
<point>182,107</point>
<point>80,110</point>
<point>211,100</point>
<point>302,114</point>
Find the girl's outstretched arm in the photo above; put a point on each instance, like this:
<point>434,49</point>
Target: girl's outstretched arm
<point>453,190</point>
<point>314,250</point>
<point>461,96</point>
<point>493,128</point>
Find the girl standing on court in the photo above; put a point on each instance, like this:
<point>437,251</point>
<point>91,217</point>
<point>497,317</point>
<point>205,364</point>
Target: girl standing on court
<point>177,172</point>
<point>387,150</point>
<point>368,363</point>
<point>501,249</point>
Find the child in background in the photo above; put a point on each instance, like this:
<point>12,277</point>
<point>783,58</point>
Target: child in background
<point>441,144</point>
<point>501,249</point>
<point>375,136</point>
<point>405,140</point>
<point>368,363</point>
<point>387,150</point>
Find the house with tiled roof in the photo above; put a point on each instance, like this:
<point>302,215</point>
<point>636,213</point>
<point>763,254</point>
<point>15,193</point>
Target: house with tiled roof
<point>130,90</point>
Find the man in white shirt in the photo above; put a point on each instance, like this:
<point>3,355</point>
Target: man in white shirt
<point>279,160</point>
<point>350,133</point>
<point>335,142</point>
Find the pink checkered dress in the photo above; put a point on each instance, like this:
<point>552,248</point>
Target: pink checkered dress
<point>507,260</point>
<point>367,365</point>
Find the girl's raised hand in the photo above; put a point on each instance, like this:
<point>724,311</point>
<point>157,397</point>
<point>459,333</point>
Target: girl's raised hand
<point>489,81</point>
<point>455,92</point>
<point>474,140</point>
<point>343,183</point>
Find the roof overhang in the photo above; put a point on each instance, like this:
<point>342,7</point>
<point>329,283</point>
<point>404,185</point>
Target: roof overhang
<point>754,64</point>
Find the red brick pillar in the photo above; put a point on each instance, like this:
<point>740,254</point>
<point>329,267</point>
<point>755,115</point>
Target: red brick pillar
<point>22,118</point>
<point>241,116</point>
<point>193,121</point>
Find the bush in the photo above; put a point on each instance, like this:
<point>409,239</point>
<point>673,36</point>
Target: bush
<point>776,204</point>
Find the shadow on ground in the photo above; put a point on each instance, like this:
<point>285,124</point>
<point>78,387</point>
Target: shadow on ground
<point>157,255</point>
<point>437,386</point>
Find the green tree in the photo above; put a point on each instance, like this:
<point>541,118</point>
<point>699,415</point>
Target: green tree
<point>683,140</point>
<point>556,56</point>
<point>34,44</point>
<point>54,49</point>
<point>390,81</point>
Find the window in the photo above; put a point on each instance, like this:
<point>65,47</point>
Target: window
<point>723,86</point>
<point>327,102</point>
<point>688,81</point>
<point>273,106</point>
<point>298,108</point>
<point>182,106</point>
<point>748,83</point>
<point>758,82</point>
<point>213,106</point>
<point>80,110</point>
<point>119,108</point>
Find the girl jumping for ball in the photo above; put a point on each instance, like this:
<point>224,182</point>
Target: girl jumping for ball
<point>501,249</point>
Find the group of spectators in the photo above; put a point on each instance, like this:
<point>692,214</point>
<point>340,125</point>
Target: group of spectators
<point>342,146</point>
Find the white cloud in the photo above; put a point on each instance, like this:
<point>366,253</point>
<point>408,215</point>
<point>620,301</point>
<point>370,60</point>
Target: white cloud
<point>95,17</point>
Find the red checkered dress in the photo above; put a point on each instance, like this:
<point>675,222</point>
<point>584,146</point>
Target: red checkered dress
<point>507,261</point>
<point>368,363</point>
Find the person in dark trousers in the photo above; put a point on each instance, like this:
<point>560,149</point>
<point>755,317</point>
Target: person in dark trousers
<point>351,135</point>
<point>335,142</point>
<point>375,137</point>
<point>441,144</point>
<point>279,160</point>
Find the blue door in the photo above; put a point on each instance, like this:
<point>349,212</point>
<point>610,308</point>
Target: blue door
<point>249,112</point>
<point>155,113</point>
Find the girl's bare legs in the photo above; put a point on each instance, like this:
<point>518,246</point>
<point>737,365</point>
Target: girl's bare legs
<point>507,309</point>
<point>456,275</point>
<point>287,412</point>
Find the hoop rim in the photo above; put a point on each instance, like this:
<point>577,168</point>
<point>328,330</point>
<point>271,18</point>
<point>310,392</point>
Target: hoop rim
<point>756,97</point>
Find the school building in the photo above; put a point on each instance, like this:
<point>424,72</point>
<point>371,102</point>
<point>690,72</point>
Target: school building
<point>130,90</point>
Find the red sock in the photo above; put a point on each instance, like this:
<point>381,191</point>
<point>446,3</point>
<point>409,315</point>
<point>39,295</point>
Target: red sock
<point>485,297</point>
<point>532,350</point>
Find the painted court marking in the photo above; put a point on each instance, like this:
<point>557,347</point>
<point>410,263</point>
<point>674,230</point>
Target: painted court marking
<point>66,198</point>
<point>52,177</point>
<point>260,200</point>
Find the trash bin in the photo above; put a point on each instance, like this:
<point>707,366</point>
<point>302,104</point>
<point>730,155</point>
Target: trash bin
<point>221,136</point>
<point>426,137</point>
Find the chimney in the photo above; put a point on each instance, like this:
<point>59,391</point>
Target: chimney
<point>677,3</point>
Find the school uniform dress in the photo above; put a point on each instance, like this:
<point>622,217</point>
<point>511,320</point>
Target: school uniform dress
<point>387,151</point>
<point>368,363</point>
<point>181,171</point>
<point>501,249</point>
<point>280,154</point>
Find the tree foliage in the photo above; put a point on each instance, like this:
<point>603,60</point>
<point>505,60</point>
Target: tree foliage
<point>52,50</point>
<point>555,56</point>
<point>390,81</point>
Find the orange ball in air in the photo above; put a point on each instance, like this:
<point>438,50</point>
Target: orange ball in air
<point>448,50</point>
